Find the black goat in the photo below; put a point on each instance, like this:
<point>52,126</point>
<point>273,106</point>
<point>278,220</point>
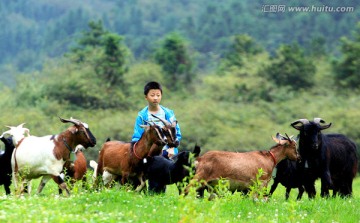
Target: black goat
<point>5,163</point>
<point>330,157</point>
<point>290,176</point>
<point>161,171</point>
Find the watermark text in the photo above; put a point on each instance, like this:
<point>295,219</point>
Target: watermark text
<point>313,8</point>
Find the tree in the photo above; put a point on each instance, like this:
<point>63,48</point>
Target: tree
<point>174,58</point>
<point>109,53</point>
<point>93,37</point>
<point>347,69</point>
<point>290,67</point>
<point>242,46</point>
<point>317,47</point>
<point>101,60</point>
<point>89,40</point>
<point>113,63</point>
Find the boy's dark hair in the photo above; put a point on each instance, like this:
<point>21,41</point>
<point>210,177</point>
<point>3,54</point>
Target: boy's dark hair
<point>152,85</point>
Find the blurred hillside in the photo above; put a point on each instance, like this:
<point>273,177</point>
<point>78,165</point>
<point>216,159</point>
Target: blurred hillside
<point>33,30</point>
<point>235,73</point>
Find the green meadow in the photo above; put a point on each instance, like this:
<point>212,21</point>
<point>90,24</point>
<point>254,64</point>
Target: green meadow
<point>118,204</point>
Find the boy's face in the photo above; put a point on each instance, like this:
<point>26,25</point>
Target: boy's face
<point>153,97</point>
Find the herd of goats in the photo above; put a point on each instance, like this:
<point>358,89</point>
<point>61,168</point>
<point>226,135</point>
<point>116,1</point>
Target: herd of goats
<point>299,162</point>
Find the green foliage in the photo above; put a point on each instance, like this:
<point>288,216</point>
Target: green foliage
<point>243,46</point>
<point>257,189</point>
<point>93,37</point>
<point>120,205</point>
<point>175,60</point>
<point>94,72</point>
<point>114,63</point>
<point>348,68</point>
<point>290,67</point>
<point>317,47</point>
<point>48,29</point>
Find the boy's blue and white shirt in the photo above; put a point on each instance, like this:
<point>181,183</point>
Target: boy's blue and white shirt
<point>160,114</point>
<point>145,116</point>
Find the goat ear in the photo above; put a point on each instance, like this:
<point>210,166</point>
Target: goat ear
<point>27,131</point>
<point>74,130</point>
<point>302,121</point>
<point>276,139</point>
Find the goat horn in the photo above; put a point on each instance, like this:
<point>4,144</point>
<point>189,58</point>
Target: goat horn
<point>21,125</point>
<point>166,123</point>
<point>303,121</point>
<point>74,121</point>
<point>321,121</point>
<point>287,136</point>
<point>6,132</point>
<point>149,123</point>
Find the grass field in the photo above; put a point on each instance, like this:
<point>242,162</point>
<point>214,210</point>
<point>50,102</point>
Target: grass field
<point>119,205</point>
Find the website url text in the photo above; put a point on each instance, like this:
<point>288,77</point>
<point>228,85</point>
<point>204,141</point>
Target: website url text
<point>313,8</point>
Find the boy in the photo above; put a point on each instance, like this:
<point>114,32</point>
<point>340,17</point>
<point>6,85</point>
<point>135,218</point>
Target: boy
<point>153,94</point>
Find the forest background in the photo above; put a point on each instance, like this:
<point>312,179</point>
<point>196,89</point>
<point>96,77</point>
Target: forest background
<point>235,72</point>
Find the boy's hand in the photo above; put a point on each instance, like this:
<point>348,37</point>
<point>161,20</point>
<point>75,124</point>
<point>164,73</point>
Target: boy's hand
<point>171,152</point>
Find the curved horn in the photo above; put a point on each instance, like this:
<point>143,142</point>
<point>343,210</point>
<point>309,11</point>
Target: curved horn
<point>321,121</point>
<point>290,138</point>
<point>74,121</point>
<point>21,125</point>
<point>166,123</point>
<point>303,121</point>
<point>149,123</point>
<point>7,132</point>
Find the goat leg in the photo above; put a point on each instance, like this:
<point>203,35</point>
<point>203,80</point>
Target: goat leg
<point>108,178</point>
<point>61,183</point>
<point>301,191</point>
<point>26,186</point>
<point>287,193</point>
<point>142,183</point>
<point>7,189</point>
<point>43,182</point>
<point>274,186</point>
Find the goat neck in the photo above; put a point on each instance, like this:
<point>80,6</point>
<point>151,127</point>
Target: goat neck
<point>283,150</point>
<point>150,143</point>
<point>142,150</point>
<point>64,145</point>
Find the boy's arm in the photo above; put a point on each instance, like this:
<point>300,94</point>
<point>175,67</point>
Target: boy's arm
<point>178,132</point>
<point>170,116</point>
<point>177,127</point>
<point>138,131</point>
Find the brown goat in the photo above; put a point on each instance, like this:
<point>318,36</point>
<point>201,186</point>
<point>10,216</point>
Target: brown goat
<point>169,130</point>
<point>121,159</point>
<point>75,170</point>
<point>241,168</point>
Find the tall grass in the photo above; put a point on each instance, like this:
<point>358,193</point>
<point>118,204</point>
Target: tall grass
<point>120,205</point>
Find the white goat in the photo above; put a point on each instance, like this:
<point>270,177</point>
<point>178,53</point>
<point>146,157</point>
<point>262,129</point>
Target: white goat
<point>17,132</point>
<point>45,156</point>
